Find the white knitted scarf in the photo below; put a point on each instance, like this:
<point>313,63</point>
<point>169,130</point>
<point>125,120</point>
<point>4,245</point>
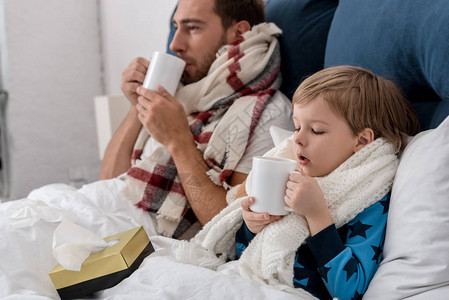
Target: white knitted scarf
<point>223,109</point>
<point>359,182</point>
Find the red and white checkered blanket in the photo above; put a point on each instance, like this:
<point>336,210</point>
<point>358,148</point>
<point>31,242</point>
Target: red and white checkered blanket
<point>223,110</point>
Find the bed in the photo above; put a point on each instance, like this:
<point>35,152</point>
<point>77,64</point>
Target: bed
<point>26,253</point>
<point>405,40</point>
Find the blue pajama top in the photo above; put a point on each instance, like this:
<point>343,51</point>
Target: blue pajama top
<point>337,263</point>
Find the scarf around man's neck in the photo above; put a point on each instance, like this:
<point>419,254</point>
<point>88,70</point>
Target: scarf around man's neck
<point>223,110</point>
<point>356,184</point>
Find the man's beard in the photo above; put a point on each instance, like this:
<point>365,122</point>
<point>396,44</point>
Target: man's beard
<point>202,66</point>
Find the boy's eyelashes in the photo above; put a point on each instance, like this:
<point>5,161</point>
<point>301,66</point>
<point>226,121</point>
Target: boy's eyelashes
<point>317,132</point>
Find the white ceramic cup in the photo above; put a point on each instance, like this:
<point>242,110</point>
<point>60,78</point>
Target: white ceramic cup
<point>269,177</point>
<point>165,70</point>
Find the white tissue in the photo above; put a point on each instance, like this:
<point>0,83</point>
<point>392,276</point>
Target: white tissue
<point>72,244</point>
<point>26,212</point>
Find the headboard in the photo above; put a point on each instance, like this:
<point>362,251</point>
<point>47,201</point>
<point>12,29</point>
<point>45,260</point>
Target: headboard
<point>406,41</point>
<point>304,25</point>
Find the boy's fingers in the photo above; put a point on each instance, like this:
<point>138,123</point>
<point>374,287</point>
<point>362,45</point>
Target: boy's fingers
<point>266,218</point>
<point>246,203</point>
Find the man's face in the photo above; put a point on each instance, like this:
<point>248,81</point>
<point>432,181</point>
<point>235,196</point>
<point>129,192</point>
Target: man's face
<point>199,35</point>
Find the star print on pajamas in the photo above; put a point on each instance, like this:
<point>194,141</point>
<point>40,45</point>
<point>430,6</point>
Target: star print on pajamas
<point>338,263</point>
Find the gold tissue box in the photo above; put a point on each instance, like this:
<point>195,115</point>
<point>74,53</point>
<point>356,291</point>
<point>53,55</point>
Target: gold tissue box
<point>106,268</point>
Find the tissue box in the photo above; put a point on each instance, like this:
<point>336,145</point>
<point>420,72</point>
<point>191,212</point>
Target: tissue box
<point>106,268</point>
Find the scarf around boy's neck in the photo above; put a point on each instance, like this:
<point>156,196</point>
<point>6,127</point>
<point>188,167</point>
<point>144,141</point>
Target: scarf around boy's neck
<point>240,83</point>
<point>356,184</point>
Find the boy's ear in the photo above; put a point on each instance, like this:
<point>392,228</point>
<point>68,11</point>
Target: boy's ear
<point>365,137</point>
<point>235,31</point>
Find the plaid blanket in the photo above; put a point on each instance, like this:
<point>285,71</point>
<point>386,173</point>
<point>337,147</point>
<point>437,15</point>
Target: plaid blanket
<point>223,110</point>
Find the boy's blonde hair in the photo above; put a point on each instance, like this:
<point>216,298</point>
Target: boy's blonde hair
<point>364,100</point>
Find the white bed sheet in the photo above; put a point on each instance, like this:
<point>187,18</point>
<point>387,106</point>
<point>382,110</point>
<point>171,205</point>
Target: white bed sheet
<point>26,253</point>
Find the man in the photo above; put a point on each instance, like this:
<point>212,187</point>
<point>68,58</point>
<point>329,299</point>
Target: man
<point>204,140</point>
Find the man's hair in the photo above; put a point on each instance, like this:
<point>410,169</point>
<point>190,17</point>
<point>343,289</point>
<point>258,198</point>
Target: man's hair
<point>231,11</point>
<point>364,100</point>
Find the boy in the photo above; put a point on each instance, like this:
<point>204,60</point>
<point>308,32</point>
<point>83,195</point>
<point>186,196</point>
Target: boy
<point>338,112</point>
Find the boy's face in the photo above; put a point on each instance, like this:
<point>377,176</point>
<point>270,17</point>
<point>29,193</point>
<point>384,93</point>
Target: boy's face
<point>322,140</point>
<point>199,35</point>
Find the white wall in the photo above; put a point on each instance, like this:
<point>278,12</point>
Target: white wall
<point>52,74</point>
<point>132,29</point>
<point>58,55</point>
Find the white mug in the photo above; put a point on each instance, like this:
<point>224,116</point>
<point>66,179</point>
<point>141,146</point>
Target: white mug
<point>269,177</point>
<point>165,70</point>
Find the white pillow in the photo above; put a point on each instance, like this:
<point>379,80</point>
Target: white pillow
<point>416,253</point>
<point>279,134</point>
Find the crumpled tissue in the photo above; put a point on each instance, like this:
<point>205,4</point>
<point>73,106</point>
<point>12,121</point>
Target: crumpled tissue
<point>26,212</point>
<point>72,244</point>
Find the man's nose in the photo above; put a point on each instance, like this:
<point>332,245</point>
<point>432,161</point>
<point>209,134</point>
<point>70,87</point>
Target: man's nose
<point>178,44</point>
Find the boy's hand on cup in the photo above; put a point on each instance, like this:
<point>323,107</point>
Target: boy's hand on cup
<point>256,221</point>
<point>304,195</point>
